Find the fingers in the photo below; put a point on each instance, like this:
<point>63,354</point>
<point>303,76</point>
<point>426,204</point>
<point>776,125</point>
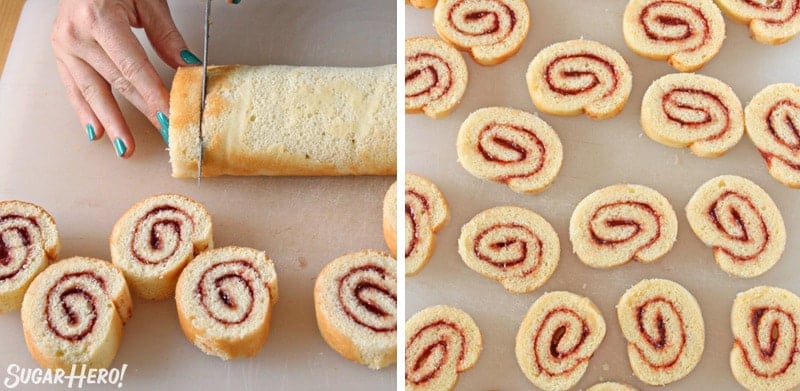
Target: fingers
<point>93,100</point>
<point>94,128</point>
<point>155,18</point>
<point>123,48</point>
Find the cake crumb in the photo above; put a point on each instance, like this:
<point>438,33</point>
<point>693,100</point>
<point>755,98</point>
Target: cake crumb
<point>301,263</point>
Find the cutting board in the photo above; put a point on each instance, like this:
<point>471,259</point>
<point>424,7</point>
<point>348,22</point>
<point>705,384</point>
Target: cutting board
<point>596,154</point>
<point>301,223</point>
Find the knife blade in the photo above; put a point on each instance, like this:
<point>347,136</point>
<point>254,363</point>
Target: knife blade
<point>203,93</point>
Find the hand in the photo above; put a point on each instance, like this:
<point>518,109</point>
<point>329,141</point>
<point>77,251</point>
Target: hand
<point>96,51</point>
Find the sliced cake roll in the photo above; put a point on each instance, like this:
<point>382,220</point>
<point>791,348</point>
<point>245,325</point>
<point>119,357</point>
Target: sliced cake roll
<point>73,313</point>
<point>355,297</point>
<point>739,220</point>
<point>224,299</point>
<point>665,331</point>
<point>579,76</point>
<point>29,241</point>
<point>687,34</point>
<point>152,242</point>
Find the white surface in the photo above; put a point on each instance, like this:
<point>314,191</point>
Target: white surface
<point>596,154</point>
<point>302,223</point>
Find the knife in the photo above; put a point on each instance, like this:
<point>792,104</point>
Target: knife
<point>203,94</point>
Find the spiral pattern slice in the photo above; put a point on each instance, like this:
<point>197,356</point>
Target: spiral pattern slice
<point>772,120</point>
<point>436,77</point>
<point>355,297</point>
<point>579,76</point>
<point>620,223</point>
<point>557,338</point>
<point>739,220</point>
<point>491,30</point>
<point>771,22</point>
<point>154,239</point>
<point>29,241</point>
<point>510,146</point>
<point>426,212</point>
<point>687,34</point>
<point>441,342</point>
<point>766,331</point>
<point>225,298</point>
<point>695,111</point>
<point>73,313</point>
<point>512,245</point>
<point>665,331</point>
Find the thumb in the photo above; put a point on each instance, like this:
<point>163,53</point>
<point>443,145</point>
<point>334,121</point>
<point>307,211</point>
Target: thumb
<point>165,38</point>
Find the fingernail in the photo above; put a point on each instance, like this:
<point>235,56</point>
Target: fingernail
<point>237,1</point>
<point>164,121</point>
<point>90,132</point>
<point>120,147</point>
<point>189,57</point>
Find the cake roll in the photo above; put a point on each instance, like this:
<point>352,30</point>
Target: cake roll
<point>29,241</point>
<point>510,146</point>
<point>742,224</point>
<point>766,331</point>
<point>688,110</point>
<point>688,34</point>
<point>512,245</point>
<point>772,120</point>
<point>426,212</point>
<point>355,299</point>
<point>490,30</point>
<point>557,338</point>
<point>154,239</point>
<point>436,77</point>
<point>579,76</point>
<point>284,120</point>
<point>225,300</point>
<point>664,328</point>
<point>441,342</point>
<point>771,22</point>
<point>73,314</point>
<point>617,224</point>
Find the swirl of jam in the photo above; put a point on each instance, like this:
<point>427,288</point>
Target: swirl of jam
<point>71,305</point>
<point>416,206</point>
<point>783,125</point>
<point>622,222</point>
<point>161,232</point>
<point>771,344</point>
<point>485,23</point>
<point>514,147</point>
<point>662,333</point>
<point>17,236</point>
<point>444,345</point>
<point>558,342</point>
<point>740,221</point>
<point>227,291</point>
<point>661,23</point>
<point>573,74</point>
<point>429,77</point>
<point>364,291</point>
<point>710,118</point>
<point>509,247</point>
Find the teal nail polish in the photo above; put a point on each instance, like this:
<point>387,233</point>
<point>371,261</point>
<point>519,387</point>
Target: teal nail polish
<point>237,1</point>
<point>164,121</point>
<point>90,132</point>
<point>165,136</point>
<point>189,57</point>
<point>120,147</point>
